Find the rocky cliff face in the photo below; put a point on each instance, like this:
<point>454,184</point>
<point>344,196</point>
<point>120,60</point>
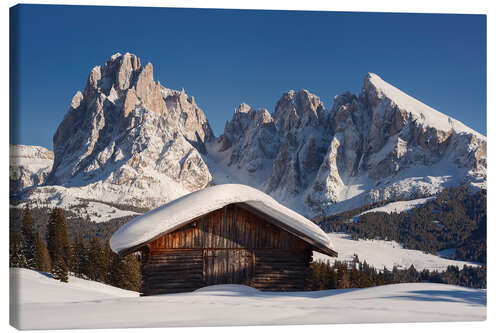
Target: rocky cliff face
<point>127,139</point>
<point>379,145</point>
<point>131,139</point>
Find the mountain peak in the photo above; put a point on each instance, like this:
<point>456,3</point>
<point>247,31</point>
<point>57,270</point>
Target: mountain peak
<point>243,108</point>
<point>123,119</point>
<point>376,89</point>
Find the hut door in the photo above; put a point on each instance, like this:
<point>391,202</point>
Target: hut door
<point>227,266</point>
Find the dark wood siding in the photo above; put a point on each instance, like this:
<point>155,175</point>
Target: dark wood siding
<point>173,271</point>
<point>226,228</point>
<point>227,266</point>
<point>229,245</point>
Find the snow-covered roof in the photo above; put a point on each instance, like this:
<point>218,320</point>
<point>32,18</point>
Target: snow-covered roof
<point>181,211</point>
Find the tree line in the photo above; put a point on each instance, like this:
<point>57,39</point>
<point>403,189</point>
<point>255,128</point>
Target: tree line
<point>77,225</point>
<point>341,275</point>
<point>93,259</point>
<point>455,219</point>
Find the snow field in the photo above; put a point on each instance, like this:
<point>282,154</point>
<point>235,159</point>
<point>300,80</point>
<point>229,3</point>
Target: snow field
<point>380,254</point>
<point>70,306</point>
<point>397,206</point>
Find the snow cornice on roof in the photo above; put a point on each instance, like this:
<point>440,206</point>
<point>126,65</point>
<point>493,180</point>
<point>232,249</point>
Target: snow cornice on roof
<point>177,213</point>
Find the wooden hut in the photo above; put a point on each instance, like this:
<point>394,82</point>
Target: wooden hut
<point>219,235</point>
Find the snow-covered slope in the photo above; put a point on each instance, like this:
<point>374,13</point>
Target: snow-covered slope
<point>29,166</point>
<point>240,305</point>
<point>79,200</point>
<point>422,113</point>
<point>380,254</point>
<point>396,207</point>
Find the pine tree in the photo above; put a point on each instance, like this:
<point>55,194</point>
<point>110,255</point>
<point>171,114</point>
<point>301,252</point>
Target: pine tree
<point>60,270</point>
<point>57,237</point>
<point>380,279</point>
<point>107,259</point>
<point>134,275</point>
<point>125,272</point>
<point>354,281</point>
<point>388,277</point>
<point>332,279</point>
<point>28,239</point>
<point>364,280</point>
<point>343,277</point>
<point>16,252</point>
<point>98,265</point>
<point>323,275</point>
<point>315,276</point>
<point>42,257</point>
<point>80,262</point>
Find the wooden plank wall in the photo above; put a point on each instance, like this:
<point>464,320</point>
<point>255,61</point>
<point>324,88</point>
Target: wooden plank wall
<point>229,245</point>
<point>227,266</point>
<point>172,271</point>
<point>229,227</point>
<point>277,270</point>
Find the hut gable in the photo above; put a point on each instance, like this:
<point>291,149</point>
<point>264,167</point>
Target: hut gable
<point>182,211</point>
<point>230,227</point>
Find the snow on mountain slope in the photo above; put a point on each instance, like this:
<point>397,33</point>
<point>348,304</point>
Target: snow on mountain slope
<point>380,254</point>
<point>396,207</point>
<point>60,307</point>
<point>101,212</point>
<point>28,166</point>
<point>79,200</point>
<point>424,114</point>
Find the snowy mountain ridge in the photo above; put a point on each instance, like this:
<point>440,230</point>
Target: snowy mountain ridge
<point>127,139</point>
<point>424,114</point>
<point>379,145</point>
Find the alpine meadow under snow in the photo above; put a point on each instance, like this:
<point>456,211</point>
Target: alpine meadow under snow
<point>84,304</point>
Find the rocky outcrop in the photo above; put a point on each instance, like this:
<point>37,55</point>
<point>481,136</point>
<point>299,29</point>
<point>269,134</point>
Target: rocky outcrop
<point>379,145</point>
<point>301,119</point>
<point>252,137</point>
<point>128,135</point>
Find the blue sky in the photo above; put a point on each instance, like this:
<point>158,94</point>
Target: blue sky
<point>226,57</point>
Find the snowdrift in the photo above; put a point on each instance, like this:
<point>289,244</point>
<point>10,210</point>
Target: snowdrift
<point>84,304</point>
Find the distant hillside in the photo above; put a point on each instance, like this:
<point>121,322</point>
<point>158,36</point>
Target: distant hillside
<point>455,219</point>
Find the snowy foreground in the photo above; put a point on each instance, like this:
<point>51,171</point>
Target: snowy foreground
<point>380,254</point>
<point>45,303</point>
